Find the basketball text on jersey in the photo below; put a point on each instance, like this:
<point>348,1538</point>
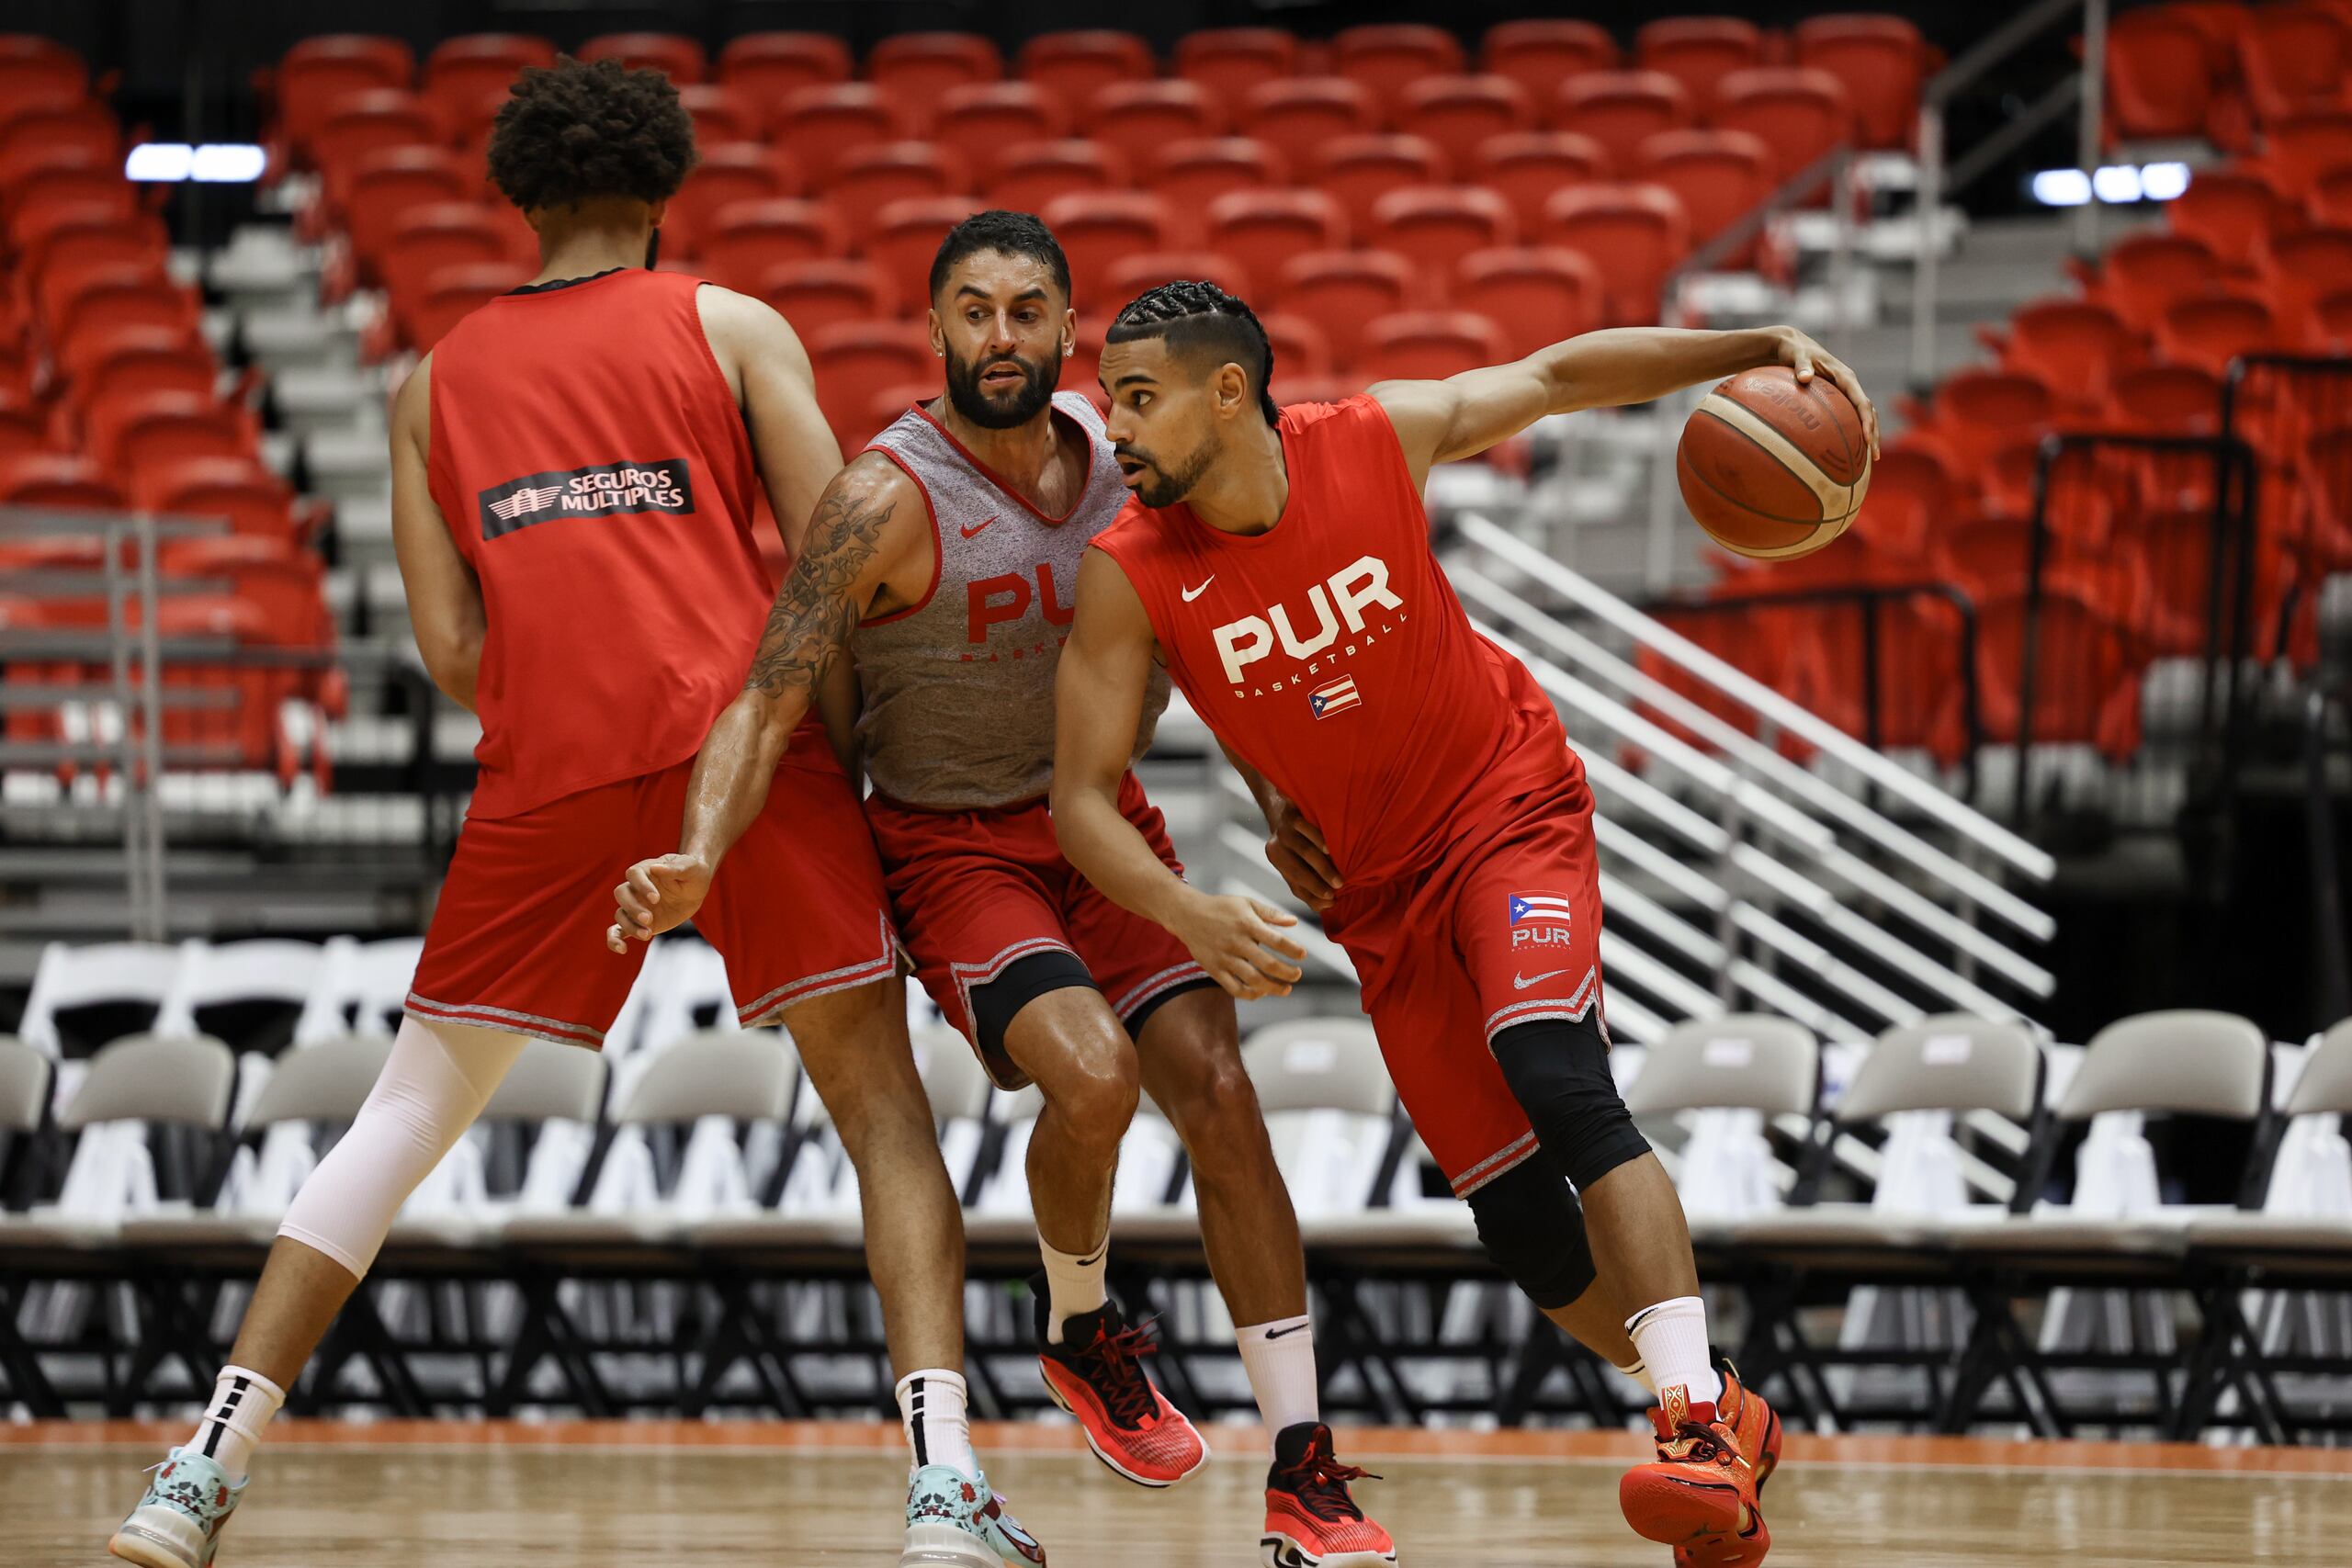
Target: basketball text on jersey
<point>1337,697</point>
<point>1540,919</point>
<point>1360,585</point>
<point>665,485</point>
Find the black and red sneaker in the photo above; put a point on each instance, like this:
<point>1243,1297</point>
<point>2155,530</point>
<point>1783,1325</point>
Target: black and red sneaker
<point>1311,1519</point>
<point>1096,1374</point>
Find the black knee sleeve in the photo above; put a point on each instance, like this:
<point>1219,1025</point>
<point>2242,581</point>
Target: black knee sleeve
<point>1559,1072</point>
<point>1531,1226</point>
<point>995,1004</point>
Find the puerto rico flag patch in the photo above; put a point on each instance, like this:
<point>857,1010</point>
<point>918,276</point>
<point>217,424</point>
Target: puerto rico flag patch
<point>1540,908</point>
<point>1337,697</point>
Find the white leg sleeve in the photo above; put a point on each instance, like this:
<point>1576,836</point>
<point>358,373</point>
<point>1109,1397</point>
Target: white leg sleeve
<point>436,1083</point>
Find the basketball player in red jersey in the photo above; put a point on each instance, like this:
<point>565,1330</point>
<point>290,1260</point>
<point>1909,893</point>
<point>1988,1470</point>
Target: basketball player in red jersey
<point>942,560</point>
<point>1277,564</point>
<point>575,470</point>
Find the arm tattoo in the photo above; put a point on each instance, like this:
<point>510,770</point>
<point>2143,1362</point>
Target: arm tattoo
<point>815,610</point>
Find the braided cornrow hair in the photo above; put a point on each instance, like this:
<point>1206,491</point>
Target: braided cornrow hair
<point>1193,315</point>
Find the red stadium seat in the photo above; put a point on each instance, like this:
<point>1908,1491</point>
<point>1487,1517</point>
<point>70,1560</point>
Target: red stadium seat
<point>2293,58</point>
<point>2159,76</point>
<point>1621,109</point>
<point>2298,149</point>
<point>1799,114</point>
<point>1339,292</point>
<point>1298,116</point>
<point>1978,411</point>
<point>390,184</point>
<point>906,238</point>
<point>1434,226</point>
<point>1032,173</point>
<point>1233,62</point>
<point>723,175</point>
<point>856,363</point>
<point>454,292</point>
<point>36,69</point>
<point>1147,270</point>
<point>370,122</point>
<point>814,295</point>
<point>256,502</point>
<point>2209,332</point>
<point>721,114</point>
<point>2332,321</point>
<point>2097,703</point>
<point>2143,273</point>
<point>2075,346</point>
<point>87,128</point>
<point>1360,170</point>
<point>49,188</point>
<point>1541,54</point>
<point>426,239</point>
<point>913,70</point>
<point>125,298</point>
<point>1385,58</point>
<point>1140,117</point>
<point>747,238</point>
<point>1097,228</point>
<point>1457,112</point>
<point>870,178</point>
<point>1071,68</point>
<point>1635,234</point>
<point>64,284</point>
<point>1699,51</point>
<point>1529,167</point>
<point>463,70</point>
<point>2300,269</point>
<point>95,243</point>
<point>1263,230</point>
<point>674,55</point>
<point>2234,210</point>
<point>772,66</point>
<point>129,434</point>
<point>1300,349</point>
<point>2165,400</point>
<point>1720,176</point>
<point>57,479</point>
<point>1537,296</point>
<point>24,427</point>
<point>1191,174</point>
<point>821,126</point>
<point>1881,60</point>
<point>319,75</point>
<point>1429,345</point>
<point>86,357</point>
<point>127,361</point>
<point>984,116</point>
<point>2330,202</point>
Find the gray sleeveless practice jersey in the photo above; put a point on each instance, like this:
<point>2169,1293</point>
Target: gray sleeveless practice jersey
<point>959,689</point>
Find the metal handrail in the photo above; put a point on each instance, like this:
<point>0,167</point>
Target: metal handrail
<point>2334,980</point>
<point>1917,793</point>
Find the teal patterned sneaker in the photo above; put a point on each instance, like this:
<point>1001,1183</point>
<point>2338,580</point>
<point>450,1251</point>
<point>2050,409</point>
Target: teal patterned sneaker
<point>177,1524</point>
<point>954,1521</point>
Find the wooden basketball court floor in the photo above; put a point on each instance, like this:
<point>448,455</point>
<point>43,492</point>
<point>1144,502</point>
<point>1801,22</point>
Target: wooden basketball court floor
<point>667,1495</point>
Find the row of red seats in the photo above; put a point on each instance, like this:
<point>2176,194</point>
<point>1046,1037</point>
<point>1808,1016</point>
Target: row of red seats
<point>2223,70</point>
<point>1876,63</point>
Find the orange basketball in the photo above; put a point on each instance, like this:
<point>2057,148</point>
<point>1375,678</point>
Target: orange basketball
<point>1771,469</point>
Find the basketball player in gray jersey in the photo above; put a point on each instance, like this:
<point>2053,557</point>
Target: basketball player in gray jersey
<point>944,559</point>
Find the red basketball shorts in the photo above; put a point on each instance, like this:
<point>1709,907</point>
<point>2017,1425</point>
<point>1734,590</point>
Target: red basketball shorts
<point>797,910</point>
<point>1504,931</point>
<point>976,892</point>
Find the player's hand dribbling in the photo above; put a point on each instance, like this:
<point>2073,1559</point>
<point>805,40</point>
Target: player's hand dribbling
<point>1296,849</point>
<point>1808,359</point>
<point>658,895</point>
<point>1238,940</point>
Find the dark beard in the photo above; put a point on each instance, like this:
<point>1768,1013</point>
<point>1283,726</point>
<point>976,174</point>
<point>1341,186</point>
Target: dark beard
<point>1036,393</point>
<point>1165,489</point>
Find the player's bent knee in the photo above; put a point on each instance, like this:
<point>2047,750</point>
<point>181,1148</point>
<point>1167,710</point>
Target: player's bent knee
<point>1533,1230</point>
<point>1558,1070</point>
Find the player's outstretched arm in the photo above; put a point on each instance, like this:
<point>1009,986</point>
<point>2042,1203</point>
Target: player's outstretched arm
<point>443,596</point>
<point>1441,422</point>
<point>1098,706</point>
<point>862,526</point>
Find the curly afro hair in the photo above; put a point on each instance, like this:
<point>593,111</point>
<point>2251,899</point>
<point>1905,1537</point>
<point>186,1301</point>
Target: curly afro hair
<point>1204,322</point>
<point>572,132</point>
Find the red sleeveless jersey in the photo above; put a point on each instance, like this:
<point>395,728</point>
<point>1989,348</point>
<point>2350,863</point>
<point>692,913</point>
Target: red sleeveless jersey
<point>1332,656</point>
<point>596,472</point>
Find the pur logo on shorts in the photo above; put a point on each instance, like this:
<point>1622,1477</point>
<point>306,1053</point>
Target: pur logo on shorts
<point>605,487</point>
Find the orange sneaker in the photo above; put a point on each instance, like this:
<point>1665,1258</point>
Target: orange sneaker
<point>1757,1429</point>
<point>1700,1493</point>
<point>1096,1374</point>
<point>1311,1521</point>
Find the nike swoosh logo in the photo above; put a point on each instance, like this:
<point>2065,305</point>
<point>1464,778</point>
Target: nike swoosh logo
<point>1193,593</point>
<point>1521,982</point>
<point>969,533</point>
<point>1286,1333</point>
<point>1090,1262</point>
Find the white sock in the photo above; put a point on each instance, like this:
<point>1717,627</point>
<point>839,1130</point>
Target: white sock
<point>1640,1372</point>
<point>931,1409</point>
<point>243,1402</point>
<point>1279,1359</point>
<point>1074,1285</point>
<point>1672,1339</point>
